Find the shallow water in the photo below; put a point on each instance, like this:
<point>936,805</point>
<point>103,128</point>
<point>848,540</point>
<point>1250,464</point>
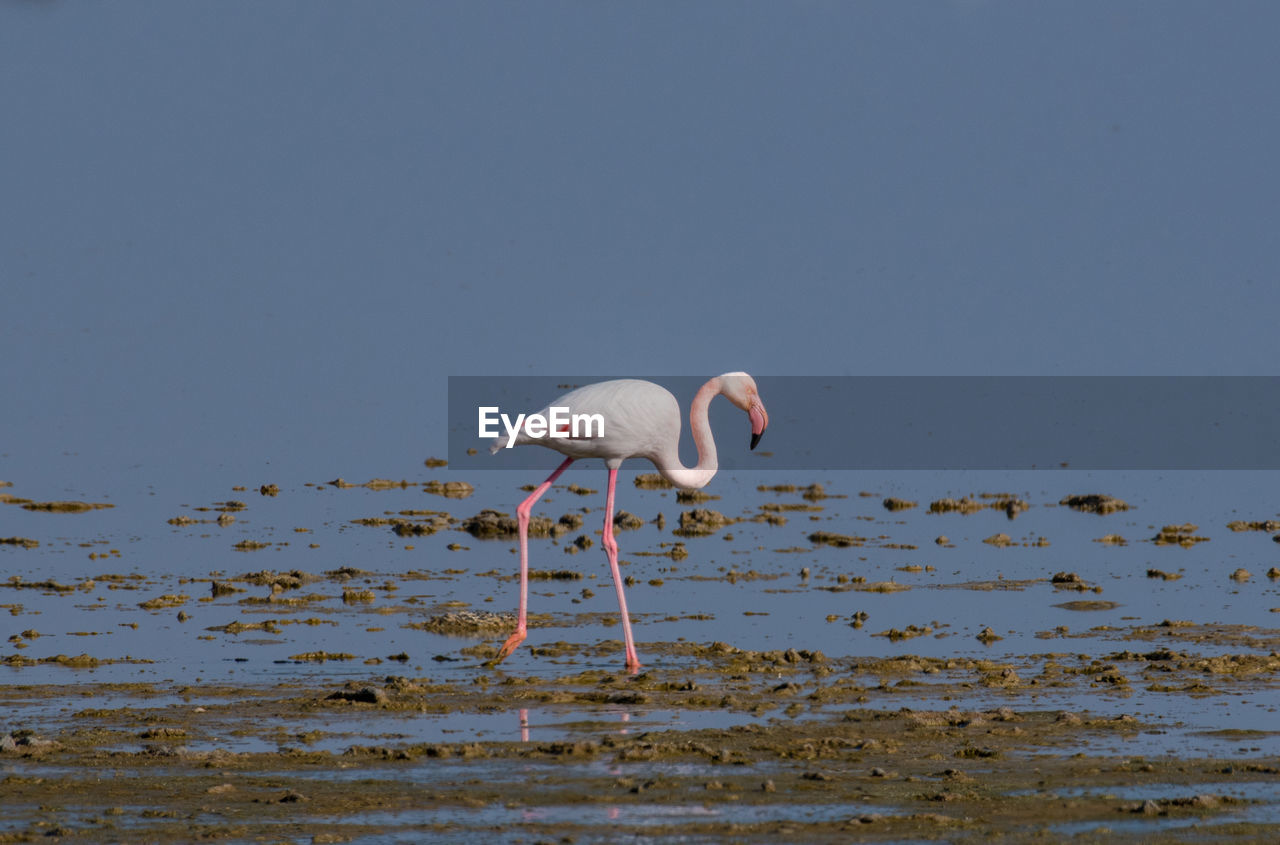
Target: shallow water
<point>753,585</point>
<point>768,604</point>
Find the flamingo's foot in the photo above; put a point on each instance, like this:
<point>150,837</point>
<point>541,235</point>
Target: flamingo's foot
<point>633,664</point>
<point>510,645</point>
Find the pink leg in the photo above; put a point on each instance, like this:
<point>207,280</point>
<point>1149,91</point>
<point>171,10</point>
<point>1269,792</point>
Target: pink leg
<point>611,549</point>
<point>522,517</point>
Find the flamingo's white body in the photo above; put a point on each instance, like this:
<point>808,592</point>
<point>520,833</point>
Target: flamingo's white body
<point>641,420</point>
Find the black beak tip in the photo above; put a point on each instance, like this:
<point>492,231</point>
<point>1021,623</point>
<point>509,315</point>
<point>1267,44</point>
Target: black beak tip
<point>755,439</point>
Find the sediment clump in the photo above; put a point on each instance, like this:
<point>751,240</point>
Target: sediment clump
<point>1086,604</point>
<point>1094,503</point>
<point>26,744</point>
<point>167,600</point>
<point>987,636</point>
<point>278,580</point>
<point>1007,502</point>
<point>449,489</point>
<point>1011,505</point>
<point>1069,581</point>
<point>360,694</point>
<point>224,588</point>
<point>1180,535</point>
<point>56,507</point>
<point>830,538</point>
<point>623,520</point>
<point>250,546</point>
<point>463,623</point>
<point>554,575</point>
<point>495,524</point>
<point>1268,525</point>
<point>700,522</point>
<point>964,505</point>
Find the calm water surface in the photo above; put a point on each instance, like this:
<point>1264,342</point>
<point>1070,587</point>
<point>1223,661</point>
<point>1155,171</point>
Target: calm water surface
<point>743,585</point>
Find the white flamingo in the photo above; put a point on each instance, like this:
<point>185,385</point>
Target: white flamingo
<point>641,420</point>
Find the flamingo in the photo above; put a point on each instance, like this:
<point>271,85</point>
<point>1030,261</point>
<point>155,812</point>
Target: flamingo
<point>642,420</point>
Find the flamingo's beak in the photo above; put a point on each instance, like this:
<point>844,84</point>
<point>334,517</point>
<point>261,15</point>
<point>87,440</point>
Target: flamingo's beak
<point>759,421</point>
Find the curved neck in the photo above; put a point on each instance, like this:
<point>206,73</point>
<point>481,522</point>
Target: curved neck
<point>693,478</point>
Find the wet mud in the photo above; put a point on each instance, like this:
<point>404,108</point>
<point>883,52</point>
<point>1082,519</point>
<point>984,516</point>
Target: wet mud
<point>885,728</point>
<point>812,749</point>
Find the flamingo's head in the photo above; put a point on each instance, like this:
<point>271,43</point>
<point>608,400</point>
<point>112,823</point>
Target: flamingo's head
<point>740,389</point>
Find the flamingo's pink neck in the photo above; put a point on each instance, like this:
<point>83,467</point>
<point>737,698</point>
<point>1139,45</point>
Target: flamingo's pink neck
<point>693,478</point>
